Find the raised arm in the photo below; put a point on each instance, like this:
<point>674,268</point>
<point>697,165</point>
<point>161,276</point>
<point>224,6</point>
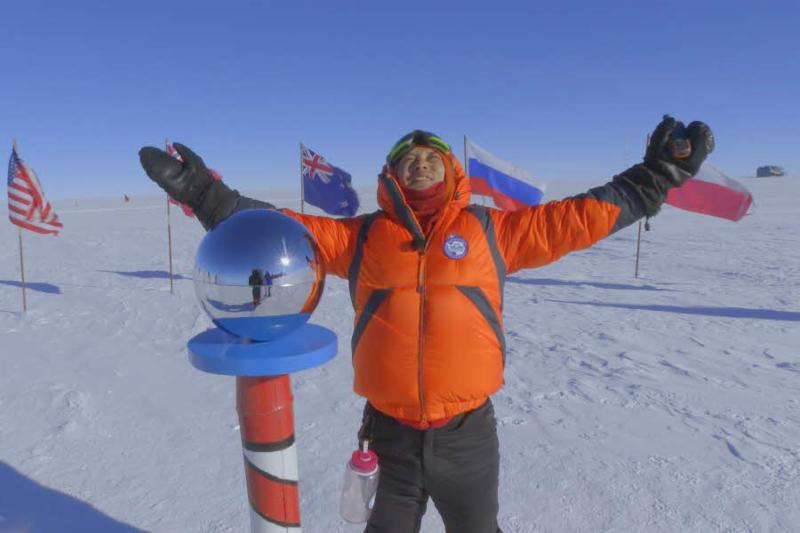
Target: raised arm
<point>541,234</point>
<point>189,182</point>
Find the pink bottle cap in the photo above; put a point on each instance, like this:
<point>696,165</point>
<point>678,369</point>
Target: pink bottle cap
<point>364,461</point>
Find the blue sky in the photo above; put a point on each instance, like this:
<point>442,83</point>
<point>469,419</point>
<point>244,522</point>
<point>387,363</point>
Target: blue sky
<point>568,90</point>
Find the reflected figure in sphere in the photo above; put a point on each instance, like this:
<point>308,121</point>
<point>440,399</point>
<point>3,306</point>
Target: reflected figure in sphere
<point>268,277</point>
<point>229,274</point>
<point>255,281</point>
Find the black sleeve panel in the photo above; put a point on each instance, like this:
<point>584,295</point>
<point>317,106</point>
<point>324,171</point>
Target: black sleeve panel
<point>637,191</point>
<point>251,203</point>
<point>220,202</point>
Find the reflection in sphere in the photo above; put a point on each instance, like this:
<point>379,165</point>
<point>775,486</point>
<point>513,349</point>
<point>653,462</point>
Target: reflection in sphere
<point>258,274</point>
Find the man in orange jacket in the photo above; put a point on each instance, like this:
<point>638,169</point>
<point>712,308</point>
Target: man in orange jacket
<point>428,260</point>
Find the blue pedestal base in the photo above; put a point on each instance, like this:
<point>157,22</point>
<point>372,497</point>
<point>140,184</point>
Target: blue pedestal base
<point>218,352</point>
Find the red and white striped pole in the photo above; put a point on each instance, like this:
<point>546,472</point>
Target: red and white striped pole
<point>262,348</point>
<point>266,423</point>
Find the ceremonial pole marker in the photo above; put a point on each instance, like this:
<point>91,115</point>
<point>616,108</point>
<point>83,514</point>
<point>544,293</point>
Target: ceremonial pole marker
<point>259,277</point>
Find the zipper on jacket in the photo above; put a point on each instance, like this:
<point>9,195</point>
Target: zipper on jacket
<point>421,345</point>
<point>421,291</point>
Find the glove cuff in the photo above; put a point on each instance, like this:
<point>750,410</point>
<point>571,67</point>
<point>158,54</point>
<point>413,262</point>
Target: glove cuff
<point>670,173</point>
<point>648,186</point>
<point>217,202</point>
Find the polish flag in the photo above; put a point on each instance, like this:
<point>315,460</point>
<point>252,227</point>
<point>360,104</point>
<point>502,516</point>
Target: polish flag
<point>712,193</point>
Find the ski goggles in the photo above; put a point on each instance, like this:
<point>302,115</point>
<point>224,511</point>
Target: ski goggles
<point>415,138</point>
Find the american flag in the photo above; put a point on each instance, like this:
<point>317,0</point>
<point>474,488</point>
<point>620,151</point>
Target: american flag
<point>185,208</point>
<point>27,206</point>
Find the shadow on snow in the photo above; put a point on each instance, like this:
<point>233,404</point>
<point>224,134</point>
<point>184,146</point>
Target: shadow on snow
<point>49,288</point>
<point>146,274</point>
<point>724,312</point>
<point>596,284</point>
<point>28,506</point>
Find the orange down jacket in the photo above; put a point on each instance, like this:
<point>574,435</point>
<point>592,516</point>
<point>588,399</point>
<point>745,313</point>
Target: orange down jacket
<point>428,338</point>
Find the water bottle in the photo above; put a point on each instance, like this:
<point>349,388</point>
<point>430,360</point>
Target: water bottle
<point>360,484</point>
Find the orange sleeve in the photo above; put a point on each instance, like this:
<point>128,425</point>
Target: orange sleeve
<point>541,234</point>
<point>336,238</point>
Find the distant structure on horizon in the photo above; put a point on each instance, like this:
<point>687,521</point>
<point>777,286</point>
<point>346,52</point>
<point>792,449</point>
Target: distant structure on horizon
<point>770,171</point>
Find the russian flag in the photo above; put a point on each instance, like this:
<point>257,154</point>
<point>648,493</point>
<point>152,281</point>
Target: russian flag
<point>712,193</point>
<point>510,187</point>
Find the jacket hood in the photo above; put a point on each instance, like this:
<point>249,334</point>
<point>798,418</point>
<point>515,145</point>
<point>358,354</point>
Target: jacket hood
<point>392,200</point>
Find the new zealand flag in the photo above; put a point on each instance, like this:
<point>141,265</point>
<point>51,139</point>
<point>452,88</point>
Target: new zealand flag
<point>326,186</point>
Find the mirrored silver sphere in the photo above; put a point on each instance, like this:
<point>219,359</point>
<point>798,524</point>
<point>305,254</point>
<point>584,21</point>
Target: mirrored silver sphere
<point>258,274</point>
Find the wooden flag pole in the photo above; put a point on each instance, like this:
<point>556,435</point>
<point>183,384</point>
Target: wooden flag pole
<point>466,168</point>
<point>169,231</point>
<point>302,182</point>
<point>21,255</point>
<point>466,157</point>
<point>639,234</point>
<point>22,271</point>
<point>466,161</point>
<point>169,245</point>
<point>638,243</point>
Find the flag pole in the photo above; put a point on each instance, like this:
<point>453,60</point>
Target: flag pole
<point>638,244</point>
<point>302,184</point>
<point>21,255</point>
<point>169,246</point>
<point>466,161</point>
<point>22,271</point>
<point>466,167</point>
<point>639,233</point>
<point>169,231</point>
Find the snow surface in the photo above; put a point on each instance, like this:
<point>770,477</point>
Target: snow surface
<point>661,404</point>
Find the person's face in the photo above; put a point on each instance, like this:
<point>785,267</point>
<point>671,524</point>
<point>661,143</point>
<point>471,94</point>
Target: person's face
<point>420,168</point>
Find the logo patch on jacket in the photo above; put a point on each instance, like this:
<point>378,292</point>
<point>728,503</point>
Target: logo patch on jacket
<point>455,247</point>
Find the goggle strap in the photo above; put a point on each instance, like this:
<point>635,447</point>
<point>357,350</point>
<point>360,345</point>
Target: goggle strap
<point>417,137</point>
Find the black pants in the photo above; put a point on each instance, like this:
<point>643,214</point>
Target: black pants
<point>456,465</point>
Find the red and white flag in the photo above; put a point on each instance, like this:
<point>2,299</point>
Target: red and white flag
<point>27,206</point>
<point>185,208</point>
<point>712,193</point>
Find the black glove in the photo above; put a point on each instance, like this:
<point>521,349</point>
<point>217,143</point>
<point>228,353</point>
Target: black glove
<point>187,181</point>
<point>663,167</point>
<point>661,159</point>
<point>190,183</point>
